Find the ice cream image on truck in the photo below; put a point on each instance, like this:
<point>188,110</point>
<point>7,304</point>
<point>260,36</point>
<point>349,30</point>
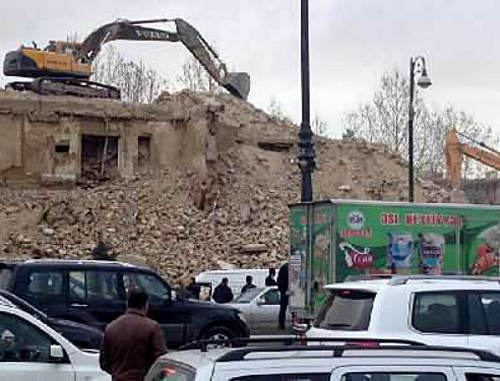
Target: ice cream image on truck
<point>431,253</point>
<point>399,249</point>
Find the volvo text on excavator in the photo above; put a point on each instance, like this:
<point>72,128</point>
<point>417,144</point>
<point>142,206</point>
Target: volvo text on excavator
<point>455,150</point>
<point>64,68</point>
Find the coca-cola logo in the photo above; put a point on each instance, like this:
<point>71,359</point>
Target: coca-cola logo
<point>362,260</point>
<point>356,258</point>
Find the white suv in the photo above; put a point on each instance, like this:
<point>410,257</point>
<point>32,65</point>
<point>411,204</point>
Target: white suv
<point>434,310</point>
<point>30,351</point>
<point>327,362</point>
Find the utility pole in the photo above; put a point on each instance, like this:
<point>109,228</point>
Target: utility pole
<point>417,66</point>
<point>306,155</point>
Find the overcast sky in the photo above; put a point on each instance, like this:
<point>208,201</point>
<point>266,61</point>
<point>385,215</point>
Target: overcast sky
<point>353,42</point>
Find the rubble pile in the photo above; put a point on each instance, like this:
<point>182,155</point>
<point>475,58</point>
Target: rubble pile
<point>157,219</point>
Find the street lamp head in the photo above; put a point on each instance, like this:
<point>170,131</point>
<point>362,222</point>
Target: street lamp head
<point>424,81</point>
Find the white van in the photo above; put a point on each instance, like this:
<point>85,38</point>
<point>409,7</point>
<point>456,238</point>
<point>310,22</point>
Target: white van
<point>235,277</point>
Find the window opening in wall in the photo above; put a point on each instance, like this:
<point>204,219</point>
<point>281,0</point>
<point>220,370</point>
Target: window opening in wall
<point>62,146</point>
<point>99,157</point>
<point>144,152</point>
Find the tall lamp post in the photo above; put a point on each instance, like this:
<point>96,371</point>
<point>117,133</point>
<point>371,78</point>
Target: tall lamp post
<point>306,155</point>
<point>417,66</point>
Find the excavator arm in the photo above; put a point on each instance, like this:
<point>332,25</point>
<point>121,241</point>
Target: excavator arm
<point>454,151</point>
<point>237,84</point>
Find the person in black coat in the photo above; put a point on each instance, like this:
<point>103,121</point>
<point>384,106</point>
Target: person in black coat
<point>194,289</point>
<point>248,285</point>
<point>283,288</point>
<point>270,278</point>
<point>222,293</point>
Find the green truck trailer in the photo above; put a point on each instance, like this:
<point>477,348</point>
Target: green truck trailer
<point>331,240</point>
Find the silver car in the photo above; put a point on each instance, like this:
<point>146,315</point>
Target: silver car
<point>261,307</point>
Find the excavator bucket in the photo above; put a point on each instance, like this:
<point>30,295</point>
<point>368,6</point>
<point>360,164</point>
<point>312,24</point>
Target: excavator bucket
<point>238,84</point>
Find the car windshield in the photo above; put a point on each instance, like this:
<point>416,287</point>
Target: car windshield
<point>248,296</point>
<point>348,310</point>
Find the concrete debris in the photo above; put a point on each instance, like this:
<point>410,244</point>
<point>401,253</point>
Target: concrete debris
<point>254,248</point>
<point>226,207</point>
<point>345,188</point>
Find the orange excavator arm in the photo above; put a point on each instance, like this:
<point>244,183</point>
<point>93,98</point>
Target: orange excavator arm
<point>454,151</point>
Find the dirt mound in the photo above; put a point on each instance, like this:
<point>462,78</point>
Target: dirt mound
<point>182,222</point>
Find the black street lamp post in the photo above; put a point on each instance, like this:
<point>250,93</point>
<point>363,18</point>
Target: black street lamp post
<point>306,155</point>
<point>417,66</point>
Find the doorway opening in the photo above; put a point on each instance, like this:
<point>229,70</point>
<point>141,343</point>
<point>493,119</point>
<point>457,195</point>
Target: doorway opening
<point>99,157</point>
<point>144,153</point>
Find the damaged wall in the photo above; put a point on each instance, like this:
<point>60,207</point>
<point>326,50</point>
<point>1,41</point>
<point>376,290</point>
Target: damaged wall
<point>47,139</point>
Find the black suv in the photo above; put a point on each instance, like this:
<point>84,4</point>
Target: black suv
<point>95,293</point>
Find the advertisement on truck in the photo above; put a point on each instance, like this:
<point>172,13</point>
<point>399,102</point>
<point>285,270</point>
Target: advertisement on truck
<point>331,240</point>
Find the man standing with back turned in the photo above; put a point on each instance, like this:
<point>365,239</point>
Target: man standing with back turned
<point>132,342</point>
<point>283,287</point>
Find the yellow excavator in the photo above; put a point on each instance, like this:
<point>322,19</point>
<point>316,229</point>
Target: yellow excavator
<point>64,68</point>
<point>455,150</point>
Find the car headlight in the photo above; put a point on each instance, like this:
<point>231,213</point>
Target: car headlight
<point>242,317</point>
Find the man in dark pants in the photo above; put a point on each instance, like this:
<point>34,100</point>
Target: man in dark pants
<point>132,342</point>
<point>283,287</point>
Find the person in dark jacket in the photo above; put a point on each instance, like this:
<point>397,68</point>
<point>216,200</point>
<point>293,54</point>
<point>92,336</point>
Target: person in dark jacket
<point>222,293</point>
<point>132,342</point>
<point>194,289</point>
<point>270,278</point>
<point>283,288</point>
<point>248,285</point>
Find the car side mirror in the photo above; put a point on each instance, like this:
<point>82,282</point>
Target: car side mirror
<point>261,301</point>
<point>56,353</point>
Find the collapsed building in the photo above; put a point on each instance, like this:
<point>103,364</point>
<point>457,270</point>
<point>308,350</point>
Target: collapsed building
<point>194,181</point>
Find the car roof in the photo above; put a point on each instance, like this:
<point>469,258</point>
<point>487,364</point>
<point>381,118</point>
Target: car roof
<point>71,262</point>
<point>420,283</point>
<point>368,285</point>
<point>196,358</point>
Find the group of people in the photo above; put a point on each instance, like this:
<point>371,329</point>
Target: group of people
<point>224,294</point>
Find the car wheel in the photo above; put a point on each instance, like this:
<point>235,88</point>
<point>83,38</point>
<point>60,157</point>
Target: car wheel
<point>218,333</point>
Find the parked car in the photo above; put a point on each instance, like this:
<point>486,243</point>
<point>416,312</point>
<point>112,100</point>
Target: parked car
<point>95,293</point>
<point>235,277</point>
<point>30,350</point>
<point>356,362</point>
<point>261,307</point>
<point>432,309</point>
<point>82,335</point>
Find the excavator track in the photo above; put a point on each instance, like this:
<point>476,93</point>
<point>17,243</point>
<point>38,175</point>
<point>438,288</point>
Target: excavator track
<point>67,86</point>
